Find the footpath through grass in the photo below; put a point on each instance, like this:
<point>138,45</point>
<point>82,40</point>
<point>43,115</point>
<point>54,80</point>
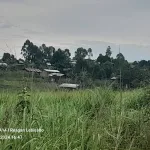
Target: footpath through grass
<point>96,119</point>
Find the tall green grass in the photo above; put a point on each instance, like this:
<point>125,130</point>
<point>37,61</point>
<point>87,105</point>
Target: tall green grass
<point>78,120</point>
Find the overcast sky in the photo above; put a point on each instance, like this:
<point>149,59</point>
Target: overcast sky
<point>77,23</point>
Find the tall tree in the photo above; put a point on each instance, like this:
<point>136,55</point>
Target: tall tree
<point>61,59</point>
<point>67,53</point>
<point>81,53</point>
<point>32,53</point>
<point>102,59</point>
<point>90,54</point>
<point>143,63</point>
<point>120,57</point>
<point>8,58</point>
<point>81,65</point>
<point>108,51</point>
<point>108,67</point>
<point>47,52</point>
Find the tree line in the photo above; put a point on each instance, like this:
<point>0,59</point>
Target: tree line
<point>82,67</point>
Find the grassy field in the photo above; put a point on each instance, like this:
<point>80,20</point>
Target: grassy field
<point>14,81</point>
<point>98,119</point>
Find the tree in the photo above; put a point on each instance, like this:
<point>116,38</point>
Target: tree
<point>120,57</point>
<point>108,51</point>
<point>32,53</point>
<point>84,70</point>
<point>90,54</point>
<point>81,65</point>
<point>143,63</point>
<point>98,71</point>
<point>47,52</point>
<point>108,67</point>
<point>83,78</point>
<point>81,53</point>
<point>102,59</point>
<point>61,59</point>
<point>67,53</point>
<point>8,58</point>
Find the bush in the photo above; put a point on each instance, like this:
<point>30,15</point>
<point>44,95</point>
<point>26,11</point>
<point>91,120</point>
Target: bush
<point>142,101</point>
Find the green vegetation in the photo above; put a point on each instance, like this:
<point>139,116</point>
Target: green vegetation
<point>81,67</point>
<point>95,119</point>
<point>103,115</point>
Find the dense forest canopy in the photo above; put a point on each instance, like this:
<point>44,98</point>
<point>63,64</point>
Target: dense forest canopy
<point>82,66</point>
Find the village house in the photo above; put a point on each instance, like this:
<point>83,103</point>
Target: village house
<point>33,70</point>
<point>53,75</point>
<point>69,86</point>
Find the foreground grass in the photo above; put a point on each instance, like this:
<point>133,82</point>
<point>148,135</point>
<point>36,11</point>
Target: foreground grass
<point>98,119</point>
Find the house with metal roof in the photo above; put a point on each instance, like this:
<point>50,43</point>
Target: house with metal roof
<point>114,78</point>
<point>56,74</point>
<point>33,70</point>
<point>48,72</point>
<point>52,75</point>
<point>51,71</point>
<point>69,86</point>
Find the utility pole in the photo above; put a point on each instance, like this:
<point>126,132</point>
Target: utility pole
<point>120,65</point>
<point>120,70</point>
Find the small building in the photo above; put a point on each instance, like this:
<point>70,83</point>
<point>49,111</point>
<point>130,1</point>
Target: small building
<point>114,78</point>
<point>52,75</point>
<point>20,61</point>
<point>69,86</point>
<point>33,70</point>
<point>55,76</point>
<point>46,72</point>
<point>67,69</point>
<point>48,64</point>
<point>15,67</point>
<point>73,62</point>
<point>51,71</point>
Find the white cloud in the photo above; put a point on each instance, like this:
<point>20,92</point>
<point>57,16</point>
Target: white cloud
<point>67,21</point>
